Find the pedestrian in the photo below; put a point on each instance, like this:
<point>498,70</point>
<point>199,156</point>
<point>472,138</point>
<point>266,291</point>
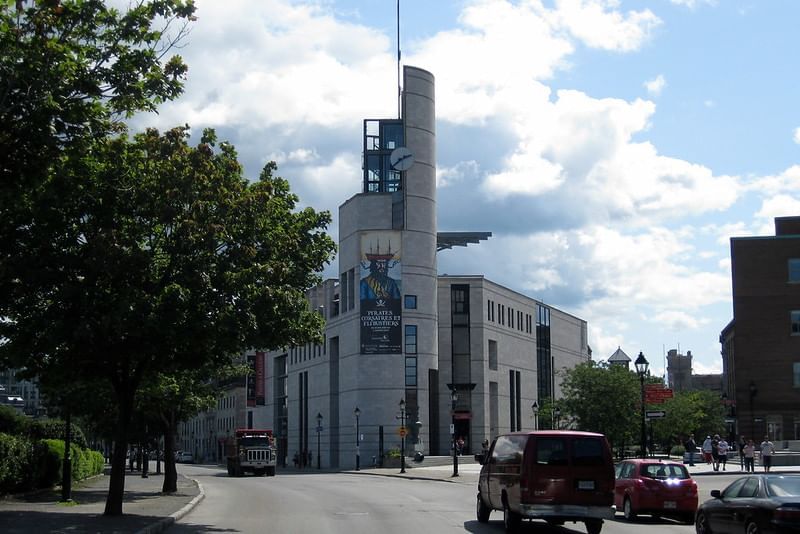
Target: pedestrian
<point>749,452</point>
<point>459,445</point>
<point>742,445</point>
<point>767,450</point>
<point>707,449</point>
<point>722,453</point>
<point>715,452</point>
<point>691,448</point>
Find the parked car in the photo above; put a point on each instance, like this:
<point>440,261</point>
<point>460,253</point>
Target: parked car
<point>554,475</point>
<point>754,504</point>
<point>655,487</point>
<point>184,457</point>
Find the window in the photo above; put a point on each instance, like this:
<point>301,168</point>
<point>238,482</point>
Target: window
<point>796,374</point>
<point>794,269</point>
<point>411,339</point>
<point>411,371</point>
<point>410,302</point>
<point>551,451</point>
<point>493,355</point>
<point>796,322</point>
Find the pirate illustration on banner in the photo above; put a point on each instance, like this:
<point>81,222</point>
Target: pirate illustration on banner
<point>380,293</point>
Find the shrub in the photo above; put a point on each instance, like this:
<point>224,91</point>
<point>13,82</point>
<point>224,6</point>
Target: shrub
<point>393,453</point>
<point>677,450</point>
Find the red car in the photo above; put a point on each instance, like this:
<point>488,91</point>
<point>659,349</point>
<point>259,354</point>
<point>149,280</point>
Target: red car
<point>655,487</point>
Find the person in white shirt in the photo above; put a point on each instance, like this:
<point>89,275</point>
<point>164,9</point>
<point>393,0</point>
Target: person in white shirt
<point>767,450</point>
<point>707,449</point>
<point>722,452</point>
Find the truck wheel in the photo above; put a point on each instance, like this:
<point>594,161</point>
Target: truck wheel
<point>511,520</point>
<point>594,526</point>
<point>271,471</point>
<point>483,510</point>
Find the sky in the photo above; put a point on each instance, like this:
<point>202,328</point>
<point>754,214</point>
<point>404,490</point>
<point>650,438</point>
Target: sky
<point>612,147</point>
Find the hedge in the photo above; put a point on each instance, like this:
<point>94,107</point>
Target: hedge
<point>33,464</point>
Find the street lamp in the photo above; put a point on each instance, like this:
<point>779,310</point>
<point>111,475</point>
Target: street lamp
<point>454,398</point>
<point>535,410</point>
<point>357,412</point>
<point>319,429</point>
<point>642,364</point>
<point>402,435</point>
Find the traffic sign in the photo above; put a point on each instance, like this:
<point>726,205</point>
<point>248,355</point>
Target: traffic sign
<point>655,414</point>
<point>402,431</point>
<point>656,393</point>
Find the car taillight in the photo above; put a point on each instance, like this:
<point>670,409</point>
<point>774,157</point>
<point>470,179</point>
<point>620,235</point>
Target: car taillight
<point>785,513</point>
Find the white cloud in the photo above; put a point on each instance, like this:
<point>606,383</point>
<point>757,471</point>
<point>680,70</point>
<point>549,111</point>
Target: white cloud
<point>691,4</point>
<point>676,321</point>
<point>656,85</point>
<point>796,136</point>
<point>598,24</point>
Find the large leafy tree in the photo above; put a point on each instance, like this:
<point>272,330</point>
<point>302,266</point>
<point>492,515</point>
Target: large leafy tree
<point>602,398</point>
<point>164,259</point>
<point>691,412</point>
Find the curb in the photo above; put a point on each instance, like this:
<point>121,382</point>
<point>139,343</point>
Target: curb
<point>166,522</point>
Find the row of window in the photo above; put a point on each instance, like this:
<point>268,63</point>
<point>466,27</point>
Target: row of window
<point>794,270</point>
<point>795,320</point>
<point>305,352</point>
<point>507,315</point>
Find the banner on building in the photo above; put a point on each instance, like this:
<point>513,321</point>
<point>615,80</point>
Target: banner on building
<point>261,394</point>
<point>255,379</point>
<point>380,290</point>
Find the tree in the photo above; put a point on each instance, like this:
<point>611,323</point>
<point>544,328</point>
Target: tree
<point>689,412</point>
<point>162,258</point>
<point>602,398</point>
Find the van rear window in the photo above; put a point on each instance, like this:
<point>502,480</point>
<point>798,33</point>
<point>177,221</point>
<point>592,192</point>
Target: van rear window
<point>551,451</point>
<point>587,451</point>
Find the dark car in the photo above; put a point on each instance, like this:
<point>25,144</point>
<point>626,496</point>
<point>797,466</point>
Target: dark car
<point>655,487</point>
<point>755,504</point>
<point>555,476</point>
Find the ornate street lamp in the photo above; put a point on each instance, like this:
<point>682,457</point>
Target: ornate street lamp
<point>402,435</point>
<point>535,410</point>
<point>454,398</point>
<point>642,365</point>
<point>319,429</point>
<point>357,413</point>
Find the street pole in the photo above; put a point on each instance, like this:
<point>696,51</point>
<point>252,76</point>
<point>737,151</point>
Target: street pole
<point>66,473</point>
<point>454,398</point>
<point>535,410</point>
<point>641,369</point>
<point>319,430</point>
<point>403,436</point>
<point>358,440</point>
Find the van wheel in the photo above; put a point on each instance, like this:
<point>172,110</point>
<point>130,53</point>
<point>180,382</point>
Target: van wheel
<point>483,510</point>
<point>627,510</point>
<point>511,520</point>
<point>594,526</point>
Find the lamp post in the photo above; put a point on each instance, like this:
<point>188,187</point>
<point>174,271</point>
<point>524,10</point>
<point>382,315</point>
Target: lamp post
<point>357,412</point>
<point>402,435</point>
<point>454,398</point>
<point>319,429</point>
<point>642,364</point>
<point>535,410</point>
<point>753,392</point>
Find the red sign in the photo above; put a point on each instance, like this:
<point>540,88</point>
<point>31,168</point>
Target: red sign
<point>656,393</point>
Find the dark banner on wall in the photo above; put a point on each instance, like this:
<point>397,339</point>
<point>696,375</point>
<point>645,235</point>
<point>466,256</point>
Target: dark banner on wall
<point>381,269</point>
<point>251,380</point>
<point>255,380</point>
<point>261,394</point>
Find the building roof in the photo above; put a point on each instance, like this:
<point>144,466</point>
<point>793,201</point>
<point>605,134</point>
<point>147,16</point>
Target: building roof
<point>619,356</point>
<point>459,239</point>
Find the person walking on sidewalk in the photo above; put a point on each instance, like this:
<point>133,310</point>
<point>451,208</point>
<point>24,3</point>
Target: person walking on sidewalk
<point>691,448</point>
<point>767,450</point>
<point>749,455</point>
<point>722,453</point>
<point>715,452</point>
<point>707,449</point>
<point>742,443</point>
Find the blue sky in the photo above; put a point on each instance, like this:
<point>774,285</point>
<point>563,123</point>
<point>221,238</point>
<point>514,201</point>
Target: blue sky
<point>613,147</point>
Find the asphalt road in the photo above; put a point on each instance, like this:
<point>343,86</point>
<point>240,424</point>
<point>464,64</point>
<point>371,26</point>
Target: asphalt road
<point>354,503</point>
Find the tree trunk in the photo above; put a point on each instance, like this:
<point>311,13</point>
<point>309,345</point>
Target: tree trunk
<point>170,472</point>
<point>116,488</point>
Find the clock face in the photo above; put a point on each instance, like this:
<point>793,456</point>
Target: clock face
<point>401,159</point>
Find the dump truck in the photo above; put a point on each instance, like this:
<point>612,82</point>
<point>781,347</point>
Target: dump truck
<point>251,451</point>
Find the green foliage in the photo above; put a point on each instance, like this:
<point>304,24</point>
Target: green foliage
<point>12,422</point>
<point>677,450</point>
<point>393,453</point>
<point>26,465</point>
<point>16,424</point>
<point>602,398</point>
<point>691,412</point>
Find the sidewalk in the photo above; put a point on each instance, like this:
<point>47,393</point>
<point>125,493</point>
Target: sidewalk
<point>146,510</point>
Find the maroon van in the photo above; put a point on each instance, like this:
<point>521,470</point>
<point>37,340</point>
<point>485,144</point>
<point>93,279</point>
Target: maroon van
<point>554,475</point>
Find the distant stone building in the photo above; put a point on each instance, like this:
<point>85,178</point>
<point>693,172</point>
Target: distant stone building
<point>681,378</point>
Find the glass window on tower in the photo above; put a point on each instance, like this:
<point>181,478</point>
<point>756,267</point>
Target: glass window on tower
<point>392,135</point>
